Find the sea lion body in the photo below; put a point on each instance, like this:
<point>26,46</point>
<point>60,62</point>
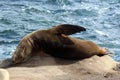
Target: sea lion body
<point>75,49</point>
<point>54,42</point>
<point>41,40</point>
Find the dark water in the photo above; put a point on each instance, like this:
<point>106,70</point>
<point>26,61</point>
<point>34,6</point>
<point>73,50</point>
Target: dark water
<point>100,17</point>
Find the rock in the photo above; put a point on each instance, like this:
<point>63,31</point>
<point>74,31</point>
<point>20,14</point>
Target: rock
<point>97,64</point>
<point>4,75</point>
<point>49,68</point>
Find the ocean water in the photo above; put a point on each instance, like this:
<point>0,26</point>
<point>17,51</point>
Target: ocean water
<point>101,18</point>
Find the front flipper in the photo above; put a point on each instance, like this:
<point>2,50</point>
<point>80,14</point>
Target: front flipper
<point>66,29</point>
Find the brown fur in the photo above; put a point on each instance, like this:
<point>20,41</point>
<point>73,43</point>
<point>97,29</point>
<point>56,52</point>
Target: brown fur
<point>54,42</point>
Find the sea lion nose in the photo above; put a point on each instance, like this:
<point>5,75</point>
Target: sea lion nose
<point>108,51</point>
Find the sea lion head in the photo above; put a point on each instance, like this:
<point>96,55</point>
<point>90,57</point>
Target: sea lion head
<point>22,52</point>
<point>104,51</point>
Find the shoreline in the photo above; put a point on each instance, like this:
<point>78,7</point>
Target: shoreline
<point>49,68</point>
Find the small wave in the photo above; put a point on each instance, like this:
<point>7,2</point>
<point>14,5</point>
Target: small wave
<point>7,42</point>
<point>8,32</point>
<point>59,2</point>
<point>98,1</point>
<point>6,21</point>
<point>101,33</point>
<point>59,11</point>
<point>19,5</point>
<point>86,13</point>
<point>116,54</point>
<point>31,20</point>
<point>7,50</point>
<point>32,10</point>
<point>110,45</point>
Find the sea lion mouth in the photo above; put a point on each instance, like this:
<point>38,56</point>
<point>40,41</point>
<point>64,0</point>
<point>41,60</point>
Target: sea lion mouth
<point>108,51</point>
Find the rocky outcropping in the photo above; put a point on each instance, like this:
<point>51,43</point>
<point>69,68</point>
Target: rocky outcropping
<point>48,68</point>
<point>4,75</point>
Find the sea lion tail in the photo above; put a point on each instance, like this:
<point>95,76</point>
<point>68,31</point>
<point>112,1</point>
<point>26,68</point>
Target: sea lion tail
<point>66,29</point>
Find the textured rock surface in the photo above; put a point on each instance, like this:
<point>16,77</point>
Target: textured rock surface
<point>48,68</point>
<point>4,75</point>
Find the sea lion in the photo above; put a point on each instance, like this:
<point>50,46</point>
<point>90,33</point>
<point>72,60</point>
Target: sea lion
<point>49,41</point>
<point>57,43</point>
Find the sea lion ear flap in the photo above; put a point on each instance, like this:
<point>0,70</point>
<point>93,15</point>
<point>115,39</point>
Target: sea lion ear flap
<point>67,29</point>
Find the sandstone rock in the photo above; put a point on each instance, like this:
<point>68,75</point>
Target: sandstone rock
<point>48,68</point>
<point>4,75</point>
